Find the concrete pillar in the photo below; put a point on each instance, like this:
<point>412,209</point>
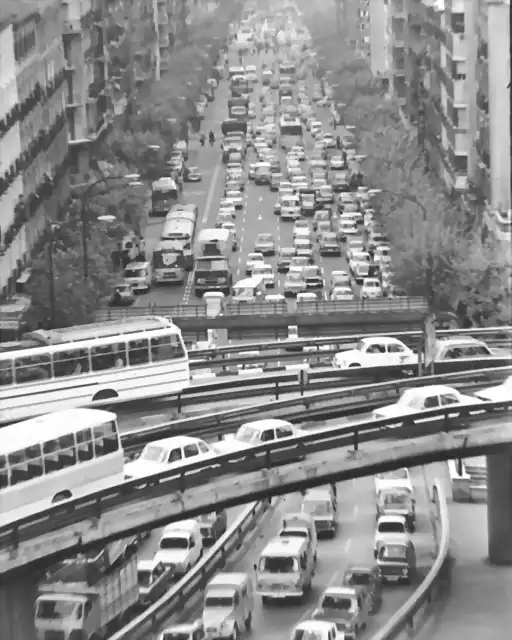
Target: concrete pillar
<point>17,597</point>
<point>499,507</point>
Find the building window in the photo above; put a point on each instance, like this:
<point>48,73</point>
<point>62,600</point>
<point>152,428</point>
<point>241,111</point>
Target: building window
<point>459,69</point>
<point>461,163</point>
<point>458,23</point>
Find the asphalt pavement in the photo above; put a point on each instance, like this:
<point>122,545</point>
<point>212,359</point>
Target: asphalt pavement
<point>352,544</point>
<point>257,215</point>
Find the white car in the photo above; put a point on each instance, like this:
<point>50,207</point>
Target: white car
<point>294,282</point>
<point>360,269</point>
<point>316,630</point>
<point>290,208</point>
<point>267,274</point>
<point>299,152</point>
<point>342,294</point>
<point>375,352</point>
<point>253,259</point>
<point>390,527</point>
<point>166,454</point>
<point>501,392</point>
<point>227,207</point>
<point>236,198</point>
<point>307,296</point>
<point>252,434</point>
<point>347,227</point>
<point>382,254</point>
<point>396,479</point>
<point>419,399</point>
<point>371,288</point>
<point>330,141</point>
<point>355,245</point>
<point>265,244</point>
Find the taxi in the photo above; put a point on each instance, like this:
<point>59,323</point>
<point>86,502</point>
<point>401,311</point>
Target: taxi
<point>253,259</point>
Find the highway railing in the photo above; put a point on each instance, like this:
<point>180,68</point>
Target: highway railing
<point>184,592</point>
<point>494,336</point>
<point>348,400</point>
<point>122,504</point>
<point>408,618</point>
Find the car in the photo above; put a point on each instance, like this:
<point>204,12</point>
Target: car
<point>499,393</point>
<point>294,282</point>
<point>252,260</point>
<point>375,351</point>
<point>313,277</point>
<point>300,261</point>
<point>234,184</point>
<point>360,269</point>
<point>347,606</point>
<point>339,278</point>
<point>355,245</point>
<point>275,181</point>
<point>317,630</point>
<point>123,295</point>
<point>234,169</point>
<point>230,226</point>
<point>321,214</point>
<point>463,348</point>
<point>307,202</point>
<point>154,580</point>
<point>265,244</point>
<point>185,631</point>
<point>193,175</point>
<point>267,274</point>
<point>324,226</point>
<point>336,163</point>
<point>420,399</point>
<point>330,141</point>
<point>399,479</point>
<point>226,206</point>
<point>222,217</point>
<point>298,150</point>
<point>307,296</point>
<point>390,528</point>
<point>366,577</point>
<point>284,259</point>
<point>289,208</point>
<point>325,195</point>
<point>252,434</point>
<point>371,288</point>
<point>339,182</point>
<point>236,198</point>
<point>343,294</point>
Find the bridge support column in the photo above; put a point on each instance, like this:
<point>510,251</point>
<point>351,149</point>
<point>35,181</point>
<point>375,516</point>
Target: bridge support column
<point>499,507</point>
<point>17,598</point>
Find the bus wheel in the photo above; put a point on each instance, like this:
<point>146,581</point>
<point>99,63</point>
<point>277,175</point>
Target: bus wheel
<point>59,497</point>
<point>105,394</point>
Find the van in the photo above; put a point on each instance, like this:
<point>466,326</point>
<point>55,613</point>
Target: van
<point>249,290</point>
<point>139,275</point>
<point>397,501</point>
<point>180,546</point>
<point>285,569</point>
<point>396,560</point>
<point>228,605</point>
<point>321,504</point>
<point>300,525</point>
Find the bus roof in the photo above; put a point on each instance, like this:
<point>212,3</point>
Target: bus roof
<point>50,426</point>
<point>209,235</point>
<point>163,183</point>
<point>99,330</point>
<point>253,281</point>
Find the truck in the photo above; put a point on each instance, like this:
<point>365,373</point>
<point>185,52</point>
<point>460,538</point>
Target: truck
<point>88,597</point>
<point>212,269</point>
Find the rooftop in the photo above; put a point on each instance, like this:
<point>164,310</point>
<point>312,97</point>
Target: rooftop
<point>17,11</point>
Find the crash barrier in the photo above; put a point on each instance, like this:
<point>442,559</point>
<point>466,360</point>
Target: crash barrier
<point>379,305</point>
<point>494,336</point>
<point>238,477</point>
<point>320,405</point>
<point>182,594</point>
<point>408,619</point>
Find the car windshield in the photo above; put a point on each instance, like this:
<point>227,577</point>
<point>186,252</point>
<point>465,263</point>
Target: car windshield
<point>391,527</point>
<point>278,564</point>
<point>218,601</point>
<point>359,579</point>
<point>134,273</point>
<point>248,434</point>
<point>294,276</point>
<point>393,552</point>
<point>334,601</point>
<point>265,238</point>
<point>395,474</point>
<point>176,635</point>
<point>144,577</point>
<point>153,453</point>
<point>317,507</point>
<point>174,542</point>
<point>394,499</point>
<point>287,253</point>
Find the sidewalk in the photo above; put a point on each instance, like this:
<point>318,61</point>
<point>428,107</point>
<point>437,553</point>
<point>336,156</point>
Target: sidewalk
<point>477,606</point>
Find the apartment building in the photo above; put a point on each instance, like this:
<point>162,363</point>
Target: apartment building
<point>33,128</point>
<point>87,96</point>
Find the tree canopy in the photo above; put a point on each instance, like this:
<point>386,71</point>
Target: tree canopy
<point>438,250</point>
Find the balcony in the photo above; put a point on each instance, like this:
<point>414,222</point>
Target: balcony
<point>460,47</point>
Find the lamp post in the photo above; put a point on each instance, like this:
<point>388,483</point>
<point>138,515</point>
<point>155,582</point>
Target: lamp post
<point>83,211</point>
<point>52,227</point>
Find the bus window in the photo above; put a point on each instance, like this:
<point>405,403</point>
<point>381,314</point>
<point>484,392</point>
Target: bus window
<point>138,352</point>
<point>59,453</point>
<point>26,464</point>
<point>6,376</point>
<point>33,368</point>
<point>84,445</point>
<point>69,363</point>
<point>105,439</point>
<point>111,356</point>
<point>166,348</point>
<point>4,474</point>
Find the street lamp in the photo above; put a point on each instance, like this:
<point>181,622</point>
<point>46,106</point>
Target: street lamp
<point>52,227</point>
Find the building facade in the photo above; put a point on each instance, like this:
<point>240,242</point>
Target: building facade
<point>42,161</point>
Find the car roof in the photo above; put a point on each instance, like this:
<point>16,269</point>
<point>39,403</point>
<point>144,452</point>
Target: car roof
<point>270,423</point>
<point>381,340</point>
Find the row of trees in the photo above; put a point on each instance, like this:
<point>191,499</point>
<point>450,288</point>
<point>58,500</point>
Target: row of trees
<point>439,251</point>
<point>159,115</point>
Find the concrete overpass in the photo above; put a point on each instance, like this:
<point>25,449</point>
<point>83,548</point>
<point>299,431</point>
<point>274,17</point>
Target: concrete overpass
<point>19,564</point>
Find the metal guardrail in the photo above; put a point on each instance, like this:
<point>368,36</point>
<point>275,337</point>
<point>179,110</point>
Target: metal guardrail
<point>90,508</point>
<point>403,620</point>
<point>324,404</point>
<point>380,305</point>
<point>497,335</point>
<point>175,600</point>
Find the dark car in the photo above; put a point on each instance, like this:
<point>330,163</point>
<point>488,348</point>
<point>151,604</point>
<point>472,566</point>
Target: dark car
<point>368,577</point>
<point>213,526</point>
<point>284,259</point>
<point>340,181</point>
<point>123,296</point>
<point>329,244</point>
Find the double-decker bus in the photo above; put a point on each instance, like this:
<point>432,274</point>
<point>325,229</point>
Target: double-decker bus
<point>55,457</point>
<point>92,365</point>
<point>164,193</point>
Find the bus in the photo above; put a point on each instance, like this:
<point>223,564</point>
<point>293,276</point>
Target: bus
<point>92,365</point>
<point>180,225</point>
<point>56,457</point>
<point>164,193</point>
<point>171,262</point>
